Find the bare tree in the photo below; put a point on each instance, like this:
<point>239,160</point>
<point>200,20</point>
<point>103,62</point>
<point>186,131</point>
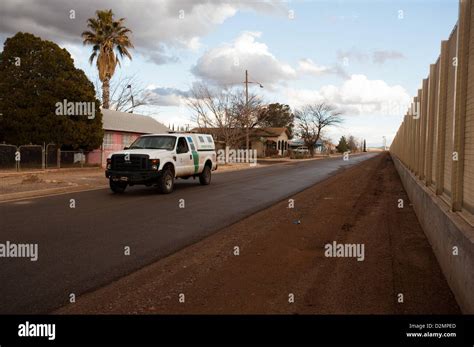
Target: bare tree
<point>127,94</point>
<point>213,109</point>
<point>248,112</point>
<point>226,112</point>
<point>352,143</point>
<point>313,119</point>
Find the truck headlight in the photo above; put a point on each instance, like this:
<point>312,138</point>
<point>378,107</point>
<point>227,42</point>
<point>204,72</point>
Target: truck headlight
<point>155,164</point>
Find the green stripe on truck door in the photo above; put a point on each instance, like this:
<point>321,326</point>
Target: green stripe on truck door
<point>196,161</point>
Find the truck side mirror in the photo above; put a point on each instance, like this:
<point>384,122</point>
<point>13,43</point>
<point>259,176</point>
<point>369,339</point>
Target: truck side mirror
<point>126,147</point>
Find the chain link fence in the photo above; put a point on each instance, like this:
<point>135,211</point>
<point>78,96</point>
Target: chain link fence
<point>42,157</point>
<point>31,157</point>
<point>7,157</point>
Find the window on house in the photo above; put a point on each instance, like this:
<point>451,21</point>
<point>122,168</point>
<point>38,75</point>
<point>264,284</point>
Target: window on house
<point>127,140</point>
<point>108,140</point>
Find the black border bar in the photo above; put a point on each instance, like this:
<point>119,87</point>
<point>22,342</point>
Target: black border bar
<point>261,329</point>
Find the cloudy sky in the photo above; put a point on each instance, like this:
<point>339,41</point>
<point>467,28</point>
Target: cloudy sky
<point>368,57</point>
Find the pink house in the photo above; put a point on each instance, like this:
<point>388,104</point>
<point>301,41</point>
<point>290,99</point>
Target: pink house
<point>120,130</point>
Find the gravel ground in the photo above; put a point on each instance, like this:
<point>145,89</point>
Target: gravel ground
<point>41,180</point>
<point>282,255</point>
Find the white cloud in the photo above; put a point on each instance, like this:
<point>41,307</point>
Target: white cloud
<point>308,67</point>
<point>377,57</point>
<point>165,96</point>
<point>193,43</point>
<point>160,27</point>
<point>380,57</point>
<point>357,95</point>
<point>227,63</point>
<point>353,54</point>
<point>165,100</point>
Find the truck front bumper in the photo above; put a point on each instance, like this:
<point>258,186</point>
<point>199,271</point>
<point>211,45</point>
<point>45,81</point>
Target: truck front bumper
<point>133,177</point>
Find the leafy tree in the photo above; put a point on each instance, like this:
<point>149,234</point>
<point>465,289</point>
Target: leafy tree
<point>313,119</point>
<point>107,35</point>
<point>343,146</point>
<point>277,115</point>
<point>35,75</point>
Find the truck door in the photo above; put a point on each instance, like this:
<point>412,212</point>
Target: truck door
<point>184,158</point>
<point>195,153</point>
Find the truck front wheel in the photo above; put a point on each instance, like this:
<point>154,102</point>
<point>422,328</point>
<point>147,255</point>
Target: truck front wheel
<point>205,176</point>
<point>117,187</point>
<point>166,181</point>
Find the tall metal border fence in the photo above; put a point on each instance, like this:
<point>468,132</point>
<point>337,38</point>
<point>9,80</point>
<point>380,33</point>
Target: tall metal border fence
<point>436,139</point>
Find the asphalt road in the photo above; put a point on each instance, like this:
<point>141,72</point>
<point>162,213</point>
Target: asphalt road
<point>83,248</point>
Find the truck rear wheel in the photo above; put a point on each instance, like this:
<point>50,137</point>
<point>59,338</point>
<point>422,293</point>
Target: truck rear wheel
<point>117,187</point>
<point>166,181</point>
<point>205,176</point>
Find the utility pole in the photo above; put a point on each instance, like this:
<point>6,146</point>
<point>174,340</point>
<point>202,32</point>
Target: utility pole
<point>246,110</point>
<point>247,143</point>
<point>247,113</point>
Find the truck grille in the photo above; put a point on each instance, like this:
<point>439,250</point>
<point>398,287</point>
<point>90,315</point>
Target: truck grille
<point>138,162</point>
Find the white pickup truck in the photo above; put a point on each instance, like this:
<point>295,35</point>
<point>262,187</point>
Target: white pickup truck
<point>158,159</point>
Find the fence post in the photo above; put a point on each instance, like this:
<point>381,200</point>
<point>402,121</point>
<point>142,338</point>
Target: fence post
<point>17,162</point>
<point>430,114</point>
<point>443,91</point>
<point>58,157</point>
<point>463,37</point>
<point>406,145</point>
<point>410,146</point>
<point>407,140</point>
<point>413,135</point>
<point>424,123</point>
<point>418,135</point>
<point>413,140</point>
<point>43,157</point>
<point>101,155</point>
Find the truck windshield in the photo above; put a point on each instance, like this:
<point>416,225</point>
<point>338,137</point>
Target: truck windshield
<point>154,142</point>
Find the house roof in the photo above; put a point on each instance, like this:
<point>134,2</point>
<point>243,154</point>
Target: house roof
<point>269,132</point>
<point>255,132</point>
<point>131,122</point>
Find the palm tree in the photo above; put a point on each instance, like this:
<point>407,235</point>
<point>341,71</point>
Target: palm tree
<point>107,35</point>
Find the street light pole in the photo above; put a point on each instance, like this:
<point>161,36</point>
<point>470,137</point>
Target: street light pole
<point>131,96</point>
